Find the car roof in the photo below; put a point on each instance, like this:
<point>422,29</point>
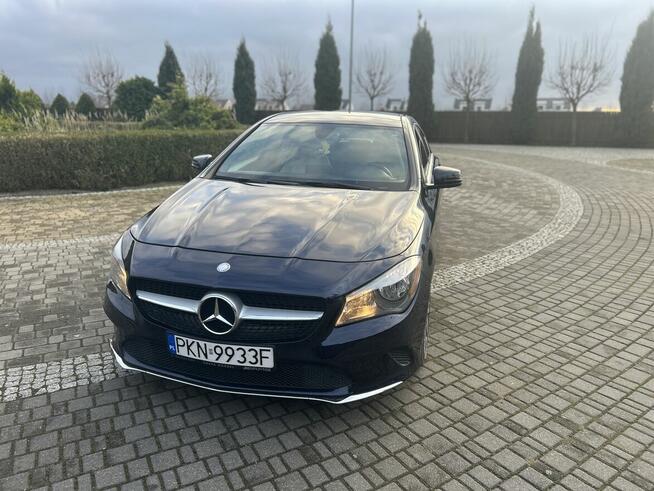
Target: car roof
<point>340,117</point>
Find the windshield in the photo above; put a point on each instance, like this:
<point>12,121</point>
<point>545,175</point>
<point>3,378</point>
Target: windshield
<point>321,154</point>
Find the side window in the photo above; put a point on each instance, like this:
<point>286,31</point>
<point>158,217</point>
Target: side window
<point>423,146</point>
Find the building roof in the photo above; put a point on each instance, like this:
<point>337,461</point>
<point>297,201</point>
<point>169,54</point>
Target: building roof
<point>343,117</point>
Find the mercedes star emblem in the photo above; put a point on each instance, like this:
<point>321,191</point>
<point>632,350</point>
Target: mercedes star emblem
<point>218,314</point>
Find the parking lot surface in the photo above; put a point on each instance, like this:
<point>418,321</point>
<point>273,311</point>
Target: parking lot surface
<point>540,371</point>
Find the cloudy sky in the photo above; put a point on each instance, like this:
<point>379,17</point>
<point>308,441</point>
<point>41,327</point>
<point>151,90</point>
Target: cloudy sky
<point>44,41</point>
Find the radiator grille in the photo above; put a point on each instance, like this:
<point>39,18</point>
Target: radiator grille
<point>246,331</point>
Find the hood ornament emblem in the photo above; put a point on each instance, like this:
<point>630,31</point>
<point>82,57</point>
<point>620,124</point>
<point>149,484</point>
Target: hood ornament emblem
<point>223,267</point>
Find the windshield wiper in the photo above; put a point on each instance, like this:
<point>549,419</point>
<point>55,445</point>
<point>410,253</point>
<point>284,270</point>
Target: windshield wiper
<point>321,184</point>
<point>243,180</point>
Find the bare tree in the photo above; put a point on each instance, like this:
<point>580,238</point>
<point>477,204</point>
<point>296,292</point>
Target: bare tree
<point>469,75</point>
<point>374,77</point>
<point>203,76</point>
<point>47,96</point>
<point>284,80</point>
<point>583,68</point>
<point>101,73</point>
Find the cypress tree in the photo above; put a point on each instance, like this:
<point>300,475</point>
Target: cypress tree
<point>421,78</point>
<point>327,78</point>
<point>244,85</point>
<point>528,76</point>
<point>637,92</point>
<point>170,72</point>
<point>85,105</point>
<point>59,106</point>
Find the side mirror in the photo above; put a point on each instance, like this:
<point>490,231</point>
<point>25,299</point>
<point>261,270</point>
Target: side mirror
<point>199,162</point>
<point>446,177</point>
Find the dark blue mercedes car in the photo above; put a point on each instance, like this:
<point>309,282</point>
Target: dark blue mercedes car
<point>297,263</point>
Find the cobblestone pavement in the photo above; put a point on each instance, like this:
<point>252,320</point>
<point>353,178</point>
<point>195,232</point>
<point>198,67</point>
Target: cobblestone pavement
<point>596,156</point>
<point>58,217</point>
<point>540,374</point>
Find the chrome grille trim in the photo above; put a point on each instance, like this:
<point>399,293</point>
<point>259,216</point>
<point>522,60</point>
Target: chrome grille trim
<point>183,304</point>
<point>246,313</point>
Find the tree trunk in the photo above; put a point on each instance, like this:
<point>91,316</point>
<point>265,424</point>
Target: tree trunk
<point>574,125</point>
<point>372,102</point>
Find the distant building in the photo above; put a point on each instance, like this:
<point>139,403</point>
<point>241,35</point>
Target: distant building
<point>269,105</point>
<point>553,104</point>
<point>477,104</point>
<point>395,105</point>
<point>226,104</point>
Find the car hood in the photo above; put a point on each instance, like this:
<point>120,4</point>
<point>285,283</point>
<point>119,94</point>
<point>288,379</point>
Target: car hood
<point>285,221</point>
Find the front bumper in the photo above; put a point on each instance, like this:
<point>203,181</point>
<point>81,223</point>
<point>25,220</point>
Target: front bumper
<point>177,378</point>
<point>333,365</point>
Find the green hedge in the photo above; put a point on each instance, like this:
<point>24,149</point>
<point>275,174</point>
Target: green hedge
<point>98,161</point>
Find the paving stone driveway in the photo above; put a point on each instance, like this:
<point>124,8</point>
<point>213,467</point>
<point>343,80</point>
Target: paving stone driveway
<point>540,374</point>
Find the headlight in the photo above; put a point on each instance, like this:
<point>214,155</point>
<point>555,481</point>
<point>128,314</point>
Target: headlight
<point>117,272</point>
<point>390,293</point>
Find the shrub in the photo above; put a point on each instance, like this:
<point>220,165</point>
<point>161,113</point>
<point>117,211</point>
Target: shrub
<point>8,94</point>
<point>29,103</point>
<point>134,97</point>
<point>181,111</point>
<point>17,101</point>
<point>107,160</point>
<point>59,106</point>
<point>8,123</point>
<point>85,105</point>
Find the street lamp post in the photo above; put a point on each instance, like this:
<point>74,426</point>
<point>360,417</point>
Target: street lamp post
<point>349,91</point>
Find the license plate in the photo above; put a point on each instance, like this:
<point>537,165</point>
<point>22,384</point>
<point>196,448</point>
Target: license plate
<point>224,354</point>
